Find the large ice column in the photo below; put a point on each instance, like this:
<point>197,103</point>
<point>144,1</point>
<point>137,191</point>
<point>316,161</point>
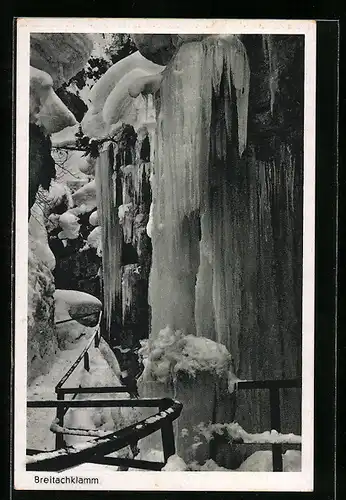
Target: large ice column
<point>201,128</point>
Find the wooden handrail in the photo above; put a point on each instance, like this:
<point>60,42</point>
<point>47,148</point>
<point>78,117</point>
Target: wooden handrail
<point>274,387</point>
<point>269,384</point>
<point>93,390</point>
<point>76,318</point>
<point>65,458</point>
<point>98,403</point>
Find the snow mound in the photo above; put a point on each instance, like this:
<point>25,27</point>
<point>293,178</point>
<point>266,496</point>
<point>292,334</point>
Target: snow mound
<point>75,304</point>
<point>174,463</point>
<point>262,461</point>
<point>172,352</point>
<point>152,455</point>
<point>110,79</point>
<point>119,100</point>
<point>110,98</point>
<point>69,225</point>
<point>66,136</point>
<point>209,465</point>
<point>94,240</point>
<point>93,219</point>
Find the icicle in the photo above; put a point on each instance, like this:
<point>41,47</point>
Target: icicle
<point>273,70</point>
<point>111,232</point>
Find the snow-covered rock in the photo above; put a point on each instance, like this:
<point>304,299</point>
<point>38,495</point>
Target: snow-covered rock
<point>69,225</point>
<point>46,108</point>
<point>110,99</point>
<point>158,48</point>
<point>119,103</point>
<point>61,55</point>
<point>75,313</point>
<point>110,79</point>
<point>75,304</point>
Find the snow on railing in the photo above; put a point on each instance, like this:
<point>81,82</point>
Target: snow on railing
<point>96,450</point>
<point>274,387</point>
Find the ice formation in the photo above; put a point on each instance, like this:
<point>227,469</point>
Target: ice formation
<point>111,230</point>
<point>119,102</point>
<point>271,57</point>
<point>203,104</point>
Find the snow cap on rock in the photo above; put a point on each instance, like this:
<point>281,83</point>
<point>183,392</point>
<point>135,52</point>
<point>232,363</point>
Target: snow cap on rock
<point>61,55</point>
<point>46,108</point>
<point>76,305</point>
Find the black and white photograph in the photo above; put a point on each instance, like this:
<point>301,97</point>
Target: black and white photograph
<point>165,184</point>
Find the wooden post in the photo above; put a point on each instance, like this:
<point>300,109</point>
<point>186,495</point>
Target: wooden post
<point>275,422</point>
<point>86,361</point>
<point>59,438</point>
<point>97,337</point>
<point>167,434</point>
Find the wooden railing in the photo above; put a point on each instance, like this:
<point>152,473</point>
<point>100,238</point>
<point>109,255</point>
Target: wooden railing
<point>60,391</point>
<point>274,387</point>
<point>96,451</point>
<point>169,410</point>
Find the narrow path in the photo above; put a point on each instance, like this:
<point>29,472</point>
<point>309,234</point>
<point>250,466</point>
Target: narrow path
<point>39,419</point>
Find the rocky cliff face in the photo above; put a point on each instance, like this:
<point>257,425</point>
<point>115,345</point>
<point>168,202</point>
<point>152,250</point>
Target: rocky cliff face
<point>41,341</point>
<point>54,58</point>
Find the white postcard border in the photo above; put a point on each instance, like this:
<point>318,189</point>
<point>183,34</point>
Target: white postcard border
<point>164,481</point>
